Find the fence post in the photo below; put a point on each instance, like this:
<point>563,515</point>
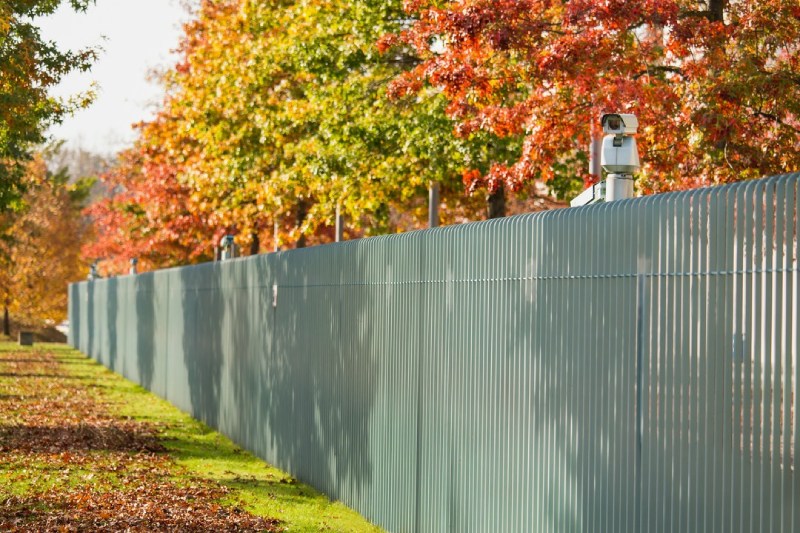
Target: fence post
<point>339,224</point>
<point>433,204</point>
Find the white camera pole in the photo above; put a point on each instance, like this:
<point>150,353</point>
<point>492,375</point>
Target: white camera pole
<point>619,187</point>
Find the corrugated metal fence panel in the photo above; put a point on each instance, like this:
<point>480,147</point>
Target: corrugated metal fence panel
<point>619,367</point>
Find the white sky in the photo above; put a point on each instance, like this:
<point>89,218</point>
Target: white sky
<point>137,36</point>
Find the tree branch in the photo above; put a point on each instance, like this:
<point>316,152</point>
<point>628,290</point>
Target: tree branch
<point>654,69</point>
<point>694,13</point>
<point>776,119</point>
<point>405,60</point>
<point>714,13</point>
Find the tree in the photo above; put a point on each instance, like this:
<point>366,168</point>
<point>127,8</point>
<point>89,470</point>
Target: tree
<point>714,84</point>
<point>148,215</point>
<point>29,67</point>
<point>278,112</point>
<point>366,153</point>
<point>40,247</point>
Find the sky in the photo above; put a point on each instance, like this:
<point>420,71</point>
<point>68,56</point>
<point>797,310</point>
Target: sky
<point>137,37</point>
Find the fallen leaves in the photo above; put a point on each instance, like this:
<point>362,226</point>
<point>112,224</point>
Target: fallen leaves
<point>125,436</point>
<point>155,506</point>
<point>70,465</point>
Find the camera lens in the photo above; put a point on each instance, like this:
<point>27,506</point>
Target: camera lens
<point>614,123</point>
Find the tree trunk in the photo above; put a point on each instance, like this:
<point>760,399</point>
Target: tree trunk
<point>496,203</point>
<point>302,212</point>
<point>255,243</point>
<point>6,321</point>
<point>716,10</point>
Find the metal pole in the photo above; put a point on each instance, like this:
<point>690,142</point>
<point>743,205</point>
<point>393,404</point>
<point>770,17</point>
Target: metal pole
<point>339,224</point>
<point>433,205</point>
<point>276,233</point>
<point>595,146</point>
<point>619,187</point>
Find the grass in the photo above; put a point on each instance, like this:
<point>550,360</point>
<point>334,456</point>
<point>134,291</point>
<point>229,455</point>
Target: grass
<point>259,487</point>
<point>194,452</point>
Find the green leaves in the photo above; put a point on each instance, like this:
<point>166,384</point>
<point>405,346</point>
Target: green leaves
<point>29,67</point>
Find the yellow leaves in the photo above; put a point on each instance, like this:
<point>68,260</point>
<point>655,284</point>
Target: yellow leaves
<point>41,250</point>
<point>5,19</point>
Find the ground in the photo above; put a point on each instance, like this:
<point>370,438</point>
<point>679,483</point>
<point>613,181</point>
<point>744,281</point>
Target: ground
<point>85,450</point>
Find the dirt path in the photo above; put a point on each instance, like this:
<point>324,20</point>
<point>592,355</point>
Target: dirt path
<point>67,463</point>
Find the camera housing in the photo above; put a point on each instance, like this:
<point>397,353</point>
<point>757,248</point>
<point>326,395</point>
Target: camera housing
<point>619,124</point>
<point>619,153</point>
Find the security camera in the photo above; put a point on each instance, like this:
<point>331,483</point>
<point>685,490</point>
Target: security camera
<point>228,248</point>
<point>619,154</point>
<point>619,123</point>
<point>619,157</point>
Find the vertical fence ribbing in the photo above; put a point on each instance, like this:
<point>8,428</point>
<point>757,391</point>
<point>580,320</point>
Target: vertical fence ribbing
<point>621,367</point>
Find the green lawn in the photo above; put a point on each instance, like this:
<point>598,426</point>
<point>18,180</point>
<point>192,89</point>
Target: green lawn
<point>73,431</point>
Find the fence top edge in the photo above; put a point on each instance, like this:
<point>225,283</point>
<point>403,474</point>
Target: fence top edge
<point>540,217</point>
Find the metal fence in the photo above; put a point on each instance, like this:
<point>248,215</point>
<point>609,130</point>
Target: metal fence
<point>629,366</point>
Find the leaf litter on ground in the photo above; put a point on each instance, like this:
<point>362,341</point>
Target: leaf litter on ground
<point>70,464</point>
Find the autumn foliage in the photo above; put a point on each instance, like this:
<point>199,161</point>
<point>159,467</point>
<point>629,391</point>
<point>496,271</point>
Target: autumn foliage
<point>40,247</point>
<point>714,85</point>
<point>277,114</point>
<point>148,215</point>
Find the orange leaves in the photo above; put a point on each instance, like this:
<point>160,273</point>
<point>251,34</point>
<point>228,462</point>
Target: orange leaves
<point>387,42</point>
<point>39,248</point>
<point>471,179</point>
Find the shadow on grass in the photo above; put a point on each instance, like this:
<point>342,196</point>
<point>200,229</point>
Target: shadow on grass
<point>73,361</point>
<point>17,397</point>
<point>239,470</point>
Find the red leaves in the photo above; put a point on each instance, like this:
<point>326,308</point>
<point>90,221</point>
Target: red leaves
<point>695,81</point>
<point>407,84</point>
<point>150,216</point>
<point>472,179</point>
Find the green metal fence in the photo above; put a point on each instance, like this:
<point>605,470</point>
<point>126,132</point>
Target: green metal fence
<point>629,366</point>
